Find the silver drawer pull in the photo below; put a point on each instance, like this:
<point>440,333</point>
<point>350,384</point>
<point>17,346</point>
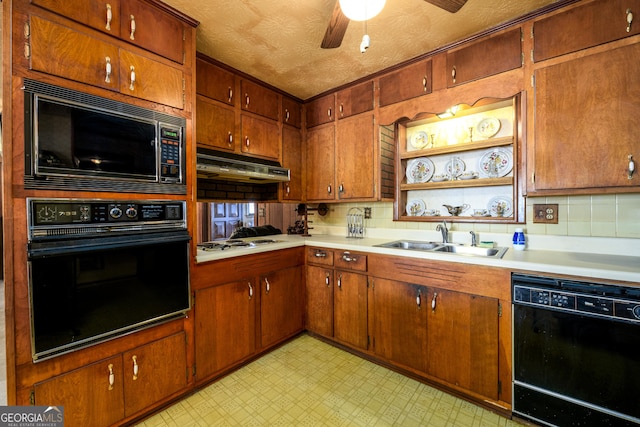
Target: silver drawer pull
<point>320,254</point>
<point>346,256</point>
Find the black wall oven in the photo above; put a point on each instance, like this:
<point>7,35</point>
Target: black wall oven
<point>77,141</point>
<point>99,269</point>
<point>575,349</point>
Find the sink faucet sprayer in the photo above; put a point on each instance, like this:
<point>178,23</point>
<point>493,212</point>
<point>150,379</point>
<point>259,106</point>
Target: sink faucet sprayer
<point>445,232</point>
<point>474,239</point>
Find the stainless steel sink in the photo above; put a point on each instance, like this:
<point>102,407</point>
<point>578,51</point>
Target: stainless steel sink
<point>451,248</point>
<point>472,250</point>
<point>410,244</point>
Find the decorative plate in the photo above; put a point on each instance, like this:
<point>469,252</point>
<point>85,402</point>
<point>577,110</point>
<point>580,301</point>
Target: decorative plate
<point>488,127</point>
<point>504,203</point>
<point>419,139</point>
<point>455,167</point>
<point>419,170</point>
<point>416,207</point>
<point>497,158</point>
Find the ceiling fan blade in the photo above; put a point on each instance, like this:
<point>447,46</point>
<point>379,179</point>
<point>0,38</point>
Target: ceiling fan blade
<point>336,29</point>
<point>449,5</point>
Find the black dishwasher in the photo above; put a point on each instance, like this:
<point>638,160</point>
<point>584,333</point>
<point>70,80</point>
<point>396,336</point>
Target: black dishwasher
<point>576,352</point>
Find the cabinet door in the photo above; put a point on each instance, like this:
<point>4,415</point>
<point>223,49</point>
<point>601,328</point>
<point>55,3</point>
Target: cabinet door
<point>319,285</point>
<point>152,29</point>
<point>350,309</point>
<point>321,110</point>
<point>355,163</point>
<point>215,125</point>
<point>260,137</point>
<point>60,51</point>
<point>408,82</point>
<point>154,372</point>
<point>214,82</point>
<point>224,326</point>
<point>102,15</point>
<point>355,100</point>
<point>463,340</point>
<point>292,159</point>
<point>259,100</point>
<point>320,163</point>
<point>485,58</point>
<point>587,114</point>
<point>282,305</point>
<point>88,397</point>
<point>146,78</point>
<point>291,112</point>
<point>400,322</point>
<point>584,26</point>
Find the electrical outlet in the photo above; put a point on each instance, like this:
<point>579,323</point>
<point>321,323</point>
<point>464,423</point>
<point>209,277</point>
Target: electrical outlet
<point>545,214</point>
<point>367,213</point>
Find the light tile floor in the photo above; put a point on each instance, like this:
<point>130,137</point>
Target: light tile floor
<point>310,383</point>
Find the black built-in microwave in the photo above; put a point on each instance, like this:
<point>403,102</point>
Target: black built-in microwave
<point>77,141</point>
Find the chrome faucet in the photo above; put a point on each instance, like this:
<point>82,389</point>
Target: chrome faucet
<point>444,230</point>
<point>474,239</point>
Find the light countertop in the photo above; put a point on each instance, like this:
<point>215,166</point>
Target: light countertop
<point>592,265</point>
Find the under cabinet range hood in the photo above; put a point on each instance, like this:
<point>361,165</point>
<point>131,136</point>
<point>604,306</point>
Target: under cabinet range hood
<point>232,167</point>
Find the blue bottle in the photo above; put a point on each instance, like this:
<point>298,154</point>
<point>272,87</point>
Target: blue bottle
<point>519,241</point>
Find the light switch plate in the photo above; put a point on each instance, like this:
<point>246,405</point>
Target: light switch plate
<point>545,214</point>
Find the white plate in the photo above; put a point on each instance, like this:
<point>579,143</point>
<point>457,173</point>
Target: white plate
<point>501,158</point>
<point>416,207</point>
<point>419,170</point>
<point>419,139</point>
<point>488,127</point>
<point>505,202</point>
<point>455,167</point>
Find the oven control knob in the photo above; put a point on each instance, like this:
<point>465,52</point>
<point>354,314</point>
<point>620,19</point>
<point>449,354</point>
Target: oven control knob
<point>636,311</point>
<point>115,212</point>
<point>131,212</point>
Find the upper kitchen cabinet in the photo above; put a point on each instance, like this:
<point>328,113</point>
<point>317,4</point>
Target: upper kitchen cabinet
<point>320,163</point>
<point>491,55</point>
<point>588,24</point>
<point>587,116</point>
<point>408,82</point>
<point>59,50</point>
<point>259,100</point>
<point>134,21</point>
<point>260,137</point>
<point>216,125</point>
<point>355,158</point>
<point>215,82</point>
<point>355,100</point>
<point>292,159</point>
<point>321,110</point>
<point>291,112</point>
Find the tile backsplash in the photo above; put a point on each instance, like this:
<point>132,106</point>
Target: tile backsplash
<point>610,215</point>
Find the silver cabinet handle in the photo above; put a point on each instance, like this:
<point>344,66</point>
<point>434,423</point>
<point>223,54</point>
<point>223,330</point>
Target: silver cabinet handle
<point>112,376</point>
<point>433,301</point>
<point>326,279</point>
<point>133,27</point>
<point>329,188</point>
<point>109,17</point>
<point>246,141</point>
<point>329,112</point>
<point>629,19</point>
<point>267,285</point>
<point>286,115</point>
<point>246,100</point>
<point>230,94</point>
<point>346,256</point>
<point>107,60</point>
<point>250,290</point>
<point>631,168</point>
<point>230,138</point>
<point>320,254</point>
<point>453,73</point>
<point>287,189</point>
<point>419,300</point>
<point>340,282</point>
<point>424,83</point>
<point>132,78</point>
<point>134,359</point>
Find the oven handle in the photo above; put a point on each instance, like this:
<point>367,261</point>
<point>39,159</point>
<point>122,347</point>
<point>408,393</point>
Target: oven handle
<point>64,247</point>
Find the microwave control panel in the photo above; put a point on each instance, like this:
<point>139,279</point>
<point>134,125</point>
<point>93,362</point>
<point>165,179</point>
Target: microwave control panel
<point>170,154</point>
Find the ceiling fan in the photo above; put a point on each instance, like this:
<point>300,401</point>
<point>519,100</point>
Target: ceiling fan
<point>339,22</point>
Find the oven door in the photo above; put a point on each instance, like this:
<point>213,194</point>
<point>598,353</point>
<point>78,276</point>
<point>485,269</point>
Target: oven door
<point>87,290</point>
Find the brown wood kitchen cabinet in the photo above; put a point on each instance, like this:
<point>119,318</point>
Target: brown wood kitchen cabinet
<point>215,82</point>
<point>586,116</point>
<point>133,21</point>
<point>105,392</point>
<point>100,63</point>
<point>319,287</point>
<point>259,100</point>
<point>491,55</point>
<point>408,82</point>
<point>320,111</point>
<point>292,158</point>
<point>355,158</point>
<point>320,163</point>
<point>291,112</point>
<point>355,100</point>
<point>216,125</point>
<point>260,137</point>
<point>281,305</point>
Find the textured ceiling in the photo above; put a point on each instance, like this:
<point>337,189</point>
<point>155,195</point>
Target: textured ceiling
<point>278,41</point>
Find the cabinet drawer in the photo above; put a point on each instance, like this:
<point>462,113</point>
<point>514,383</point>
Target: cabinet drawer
<point>351,261</point>
<point>319,256</point>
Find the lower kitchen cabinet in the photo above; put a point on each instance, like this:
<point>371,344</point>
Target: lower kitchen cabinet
<point>400,322</point>
<point>103,393</point>
<point>281,305</point>
<point>462,330</point>
<point>350,309</point>
<point>319,284</point>
<point>224,326</point>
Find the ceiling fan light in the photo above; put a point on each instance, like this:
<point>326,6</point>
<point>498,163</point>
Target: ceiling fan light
<point>361,10</point>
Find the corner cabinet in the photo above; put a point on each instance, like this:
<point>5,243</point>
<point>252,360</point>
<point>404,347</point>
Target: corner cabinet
<point>468,157</point>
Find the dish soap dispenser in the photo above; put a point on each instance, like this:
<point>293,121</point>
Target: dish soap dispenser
<point>519,241</point>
